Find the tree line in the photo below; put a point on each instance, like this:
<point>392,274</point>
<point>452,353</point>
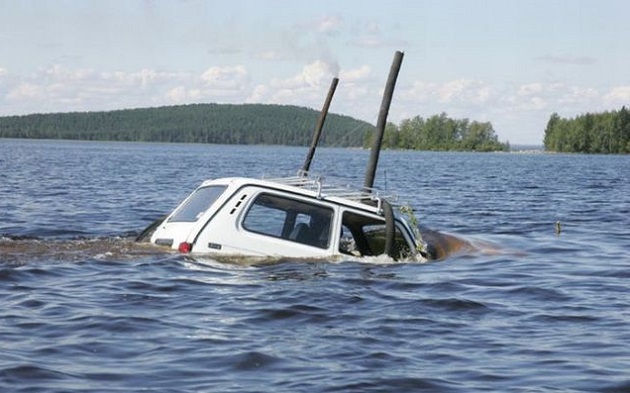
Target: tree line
<point>599,133</point>
<point>250,124</point>
<point>439,132</point>
<point>194,123</point>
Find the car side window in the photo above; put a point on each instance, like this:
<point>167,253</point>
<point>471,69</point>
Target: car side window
<point>290,219</point>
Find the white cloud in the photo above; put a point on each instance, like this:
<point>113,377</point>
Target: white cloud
<point>318,73</point>
<point>306,88</point>
<point>26,91</point>
<point>377,41</point>
<point>420,91</point>
<point>533,103</point>
<point>329,24</point>
<point>539,96</point>
<point>183,95</point>
<point>565,99</point>
<point>60,73</point>
<point>146,76</point>
<point>483,94</point>
<point>566,59</point>
<point>370,35</point>
<point>458,92</point>
<point>313,75</point>
<point>230,77</point>
<point>356,75</point>
<point>371,27</point>
<point>579,95</point>
<point>143,78</point>
<point>61,89</point>
<point>530,89</point>
<point>269,55</point>
<point>258,94</point>
<point>177,95</point>
<point>618,96</point>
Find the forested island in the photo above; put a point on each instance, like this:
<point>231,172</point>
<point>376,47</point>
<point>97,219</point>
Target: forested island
<point>439,132</point>
<point>249,124</point>
<point>599,133</point>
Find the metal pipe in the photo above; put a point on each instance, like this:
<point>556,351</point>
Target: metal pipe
<point>320,125</point>
<point>382,120</point>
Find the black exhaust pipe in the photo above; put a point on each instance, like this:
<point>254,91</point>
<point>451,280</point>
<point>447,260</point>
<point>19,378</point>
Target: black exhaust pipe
<point>382,121</point>
<point>320,125</point>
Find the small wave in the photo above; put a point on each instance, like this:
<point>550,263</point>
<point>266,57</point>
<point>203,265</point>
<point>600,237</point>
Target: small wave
<point>19,250</point>
<point>455,304</point>
<point>243,261</point>
<point>616,388</point>
<point>396,384</point>
<point>253,361</point>
<point>560,318</point>
<point>539,294</point>
<point>28,372</point>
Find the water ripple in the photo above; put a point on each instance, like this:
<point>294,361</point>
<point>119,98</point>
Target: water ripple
<point>529,310</point>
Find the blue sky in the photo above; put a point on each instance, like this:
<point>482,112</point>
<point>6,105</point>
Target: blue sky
<point>512,63</point>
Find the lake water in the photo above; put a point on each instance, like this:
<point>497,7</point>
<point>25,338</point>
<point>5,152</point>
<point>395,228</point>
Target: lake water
<point>86,309</point>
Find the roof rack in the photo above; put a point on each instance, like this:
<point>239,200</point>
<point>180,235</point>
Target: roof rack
<point>316,184</point>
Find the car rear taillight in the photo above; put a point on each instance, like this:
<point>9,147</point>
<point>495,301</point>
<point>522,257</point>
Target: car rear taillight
<point>185,247</point>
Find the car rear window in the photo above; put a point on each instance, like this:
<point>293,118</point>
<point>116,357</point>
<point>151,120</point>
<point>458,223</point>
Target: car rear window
<point>197,204</point>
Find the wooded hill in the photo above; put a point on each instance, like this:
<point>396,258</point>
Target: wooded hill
<point>249,124</point>
<point>195,123</point>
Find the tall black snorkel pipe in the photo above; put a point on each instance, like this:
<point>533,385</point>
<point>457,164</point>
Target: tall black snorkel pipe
<point>390,244</point>
<point>382,120</point>
<point>320,126</point>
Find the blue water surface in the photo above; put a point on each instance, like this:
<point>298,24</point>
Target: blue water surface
<point>84,309</point>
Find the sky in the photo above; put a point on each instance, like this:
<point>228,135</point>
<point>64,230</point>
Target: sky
<point>507,62</point>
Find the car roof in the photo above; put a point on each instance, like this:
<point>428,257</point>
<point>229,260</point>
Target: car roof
<point>308,187</point>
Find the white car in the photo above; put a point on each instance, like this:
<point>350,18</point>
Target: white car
<point>287,217</point>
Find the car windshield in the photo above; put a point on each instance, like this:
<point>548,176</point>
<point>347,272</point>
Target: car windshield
<point>197,204</point>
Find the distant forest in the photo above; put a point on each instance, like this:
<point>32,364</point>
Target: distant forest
<point>600,133</point>
<point>250,124</point>
<point>195,123</point>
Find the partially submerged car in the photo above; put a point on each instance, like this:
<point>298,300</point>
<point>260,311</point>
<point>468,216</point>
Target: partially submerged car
<point>287,217</point>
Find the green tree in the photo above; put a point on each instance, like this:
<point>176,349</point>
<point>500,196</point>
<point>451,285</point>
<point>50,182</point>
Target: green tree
<point>607,132</point>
